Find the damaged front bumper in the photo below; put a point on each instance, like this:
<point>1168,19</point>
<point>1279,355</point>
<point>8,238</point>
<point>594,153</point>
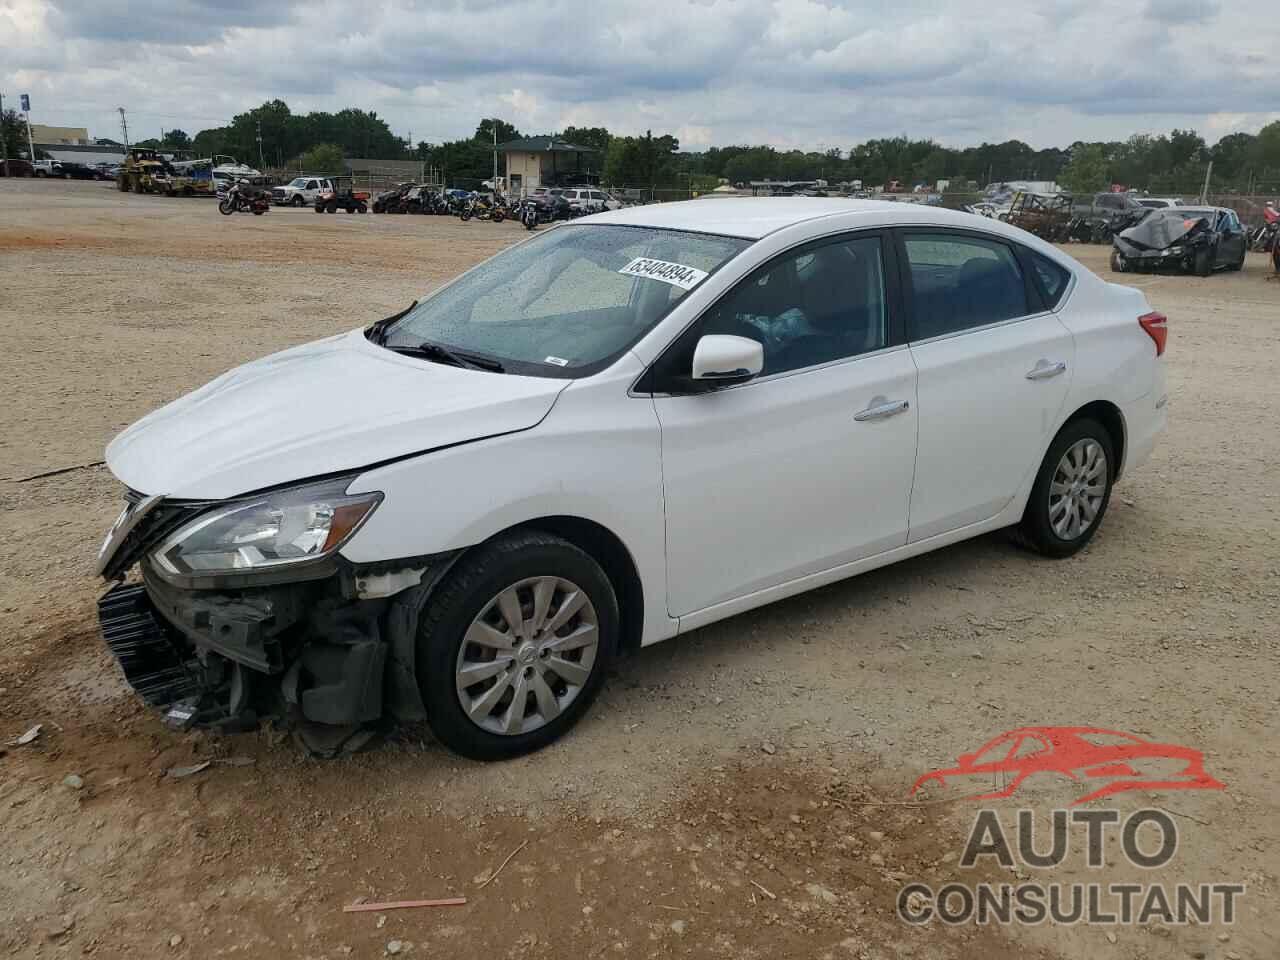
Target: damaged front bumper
<point>328,656</point>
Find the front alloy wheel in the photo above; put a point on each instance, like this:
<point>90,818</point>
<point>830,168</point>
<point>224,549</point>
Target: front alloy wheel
<point>527,655</point>
<point>514,644</point>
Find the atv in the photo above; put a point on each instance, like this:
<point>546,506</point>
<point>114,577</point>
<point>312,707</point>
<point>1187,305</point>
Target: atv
<point>342,197</point>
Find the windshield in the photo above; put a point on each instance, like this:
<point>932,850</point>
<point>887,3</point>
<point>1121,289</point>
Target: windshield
<point>300,182</point>
<point>568,302</point>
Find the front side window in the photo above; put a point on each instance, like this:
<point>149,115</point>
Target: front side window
<point>961,282</point>
<point>810,307</point>
<point>569,301</point>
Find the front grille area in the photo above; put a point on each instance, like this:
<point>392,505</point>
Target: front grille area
<point>148,653</point>
<point>163,519</point>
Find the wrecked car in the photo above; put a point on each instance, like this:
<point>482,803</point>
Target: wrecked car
<point>1195,240</point>
<point>624,428</point>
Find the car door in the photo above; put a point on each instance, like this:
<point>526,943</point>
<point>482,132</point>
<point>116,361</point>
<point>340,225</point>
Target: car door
<point>809,465</point>
<point>994,368</point>
<point>1231,239</point>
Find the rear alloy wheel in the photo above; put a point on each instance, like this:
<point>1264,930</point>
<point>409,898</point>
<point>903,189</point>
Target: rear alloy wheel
<point>514,646</point>
<point>1071,491</point>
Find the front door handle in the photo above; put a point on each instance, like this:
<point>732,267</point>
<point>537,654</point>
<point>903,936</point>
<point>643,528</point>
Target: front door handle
<point>1044,370</point>
<point>881,408</point>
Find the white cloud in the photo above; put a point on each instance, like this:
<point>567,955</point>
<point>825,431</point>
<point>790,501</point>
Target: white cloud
<point>787,72</point>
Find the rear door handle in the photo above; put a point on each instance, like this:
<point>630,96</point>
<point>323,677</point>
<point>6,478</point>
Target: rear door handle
<point>1044,370</point>
<point>881,408</point>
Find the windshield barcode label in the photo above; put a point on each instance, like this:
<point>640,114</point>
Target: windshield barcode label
<point>676,274</point>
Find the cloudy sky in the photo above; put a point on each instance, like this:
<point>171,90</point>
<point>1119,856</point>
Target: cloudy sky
<point>787,72</point>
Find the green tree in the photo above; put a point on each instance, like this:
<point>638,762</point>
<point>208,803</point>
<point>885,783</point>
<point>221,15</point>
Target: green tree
<point>506,131</point>
<point>176,140</point>
<point>1088,170</point>
<point>595,137</point>
<point>14,132</point>
<point>322,158</point>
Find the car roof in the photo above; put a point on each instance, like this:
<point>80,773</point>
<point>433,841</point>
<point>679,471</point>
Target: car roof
<point>754,217</point>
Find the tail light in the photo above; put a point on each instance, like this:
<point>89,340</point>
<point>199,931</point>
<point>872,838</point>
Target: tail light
<point>1155,325</point>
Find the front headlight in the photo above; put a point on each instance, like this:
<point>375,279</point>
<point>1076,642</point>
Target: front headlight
<point>275,530</point>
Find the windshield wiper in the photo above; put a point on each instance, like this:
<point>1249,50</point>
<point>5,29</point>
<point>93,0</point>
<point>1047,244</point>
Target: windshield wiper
<point>441,354</point>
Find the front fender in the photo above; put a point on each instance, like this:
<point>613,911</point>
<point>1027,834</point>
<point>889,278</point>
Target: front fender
<point>596,456</point>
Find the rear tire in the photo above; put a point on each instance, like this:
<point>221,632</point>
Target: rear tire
<point>1070,495</point>
<point>468,596</point>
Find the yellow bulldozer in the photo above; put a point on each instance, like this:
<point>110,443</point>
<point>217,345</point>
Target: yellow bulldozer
<point>146,171</point>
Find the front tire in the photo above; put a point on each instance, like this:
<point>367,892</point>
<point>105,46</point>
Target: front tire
<point>1071,491</point>
<point>514,646</point>
<point>1117,262</point>
<point>299,201</point>
<point>226,207</point>
<point>1202,266</point>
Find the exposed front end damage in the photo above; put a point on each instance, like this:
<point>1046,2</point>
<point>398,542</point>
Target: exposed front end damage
<point>331,655</point>
<point>1163,241</point>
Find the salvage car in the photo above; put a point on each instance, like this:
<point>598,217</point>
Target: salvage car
<point>620,430</point>
<point>1195,240</point>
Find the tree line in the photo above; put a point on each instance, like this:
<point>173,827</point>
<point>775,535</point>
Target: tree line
<point>274,137</point>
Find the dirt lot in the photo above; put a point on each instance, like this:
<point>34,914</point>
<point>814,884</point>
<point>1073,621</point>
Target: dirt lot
<point>741,792</point>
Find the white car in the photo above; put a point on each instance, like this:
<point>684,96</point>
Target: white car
<point>301,191</point>
<point>620,430</point>
<point>590,199</point>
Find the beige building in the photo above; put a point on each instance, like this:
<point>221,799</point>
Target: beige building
<point>70,136</point>
<point>546,161</point>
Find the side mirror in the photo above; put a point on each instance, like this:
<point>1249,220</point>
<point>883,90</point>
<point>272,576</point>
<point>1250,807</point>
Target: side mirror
<point>720,359</point>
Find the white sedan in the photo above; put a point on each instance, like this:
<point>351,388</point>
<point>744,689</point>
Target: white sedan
<point>620,430</point>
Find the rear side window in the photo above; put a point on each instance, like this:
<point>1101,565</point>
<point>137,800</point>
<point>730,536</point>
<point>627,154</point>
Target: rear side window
<point>961,282</point>
<point>1051,278</point>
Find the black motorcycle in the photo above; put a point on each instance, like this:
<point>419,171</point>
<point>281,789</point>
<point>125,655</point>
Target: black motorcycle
<point>244,198</point>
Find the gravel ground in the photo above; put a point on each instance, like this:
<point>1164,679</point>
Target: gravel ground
<point>739,792</point>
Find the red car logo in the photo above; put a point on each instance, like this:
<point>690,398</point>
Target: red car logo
<point>1077,753</point>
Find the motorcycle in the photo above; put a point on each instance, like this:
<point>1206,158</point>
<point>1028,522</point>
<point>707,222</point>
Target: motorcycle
<point>481,209</point>
<point>1263,237</point>
<point>243,198</point>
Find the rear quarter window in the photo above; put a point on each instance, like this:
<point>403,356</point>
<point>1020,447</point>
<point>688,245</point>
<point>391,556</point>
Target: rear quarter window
<point>1050,277</point>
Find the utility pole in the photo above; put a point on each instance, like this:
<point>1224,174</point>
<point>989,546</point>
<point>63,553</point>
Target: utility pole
<point>124,129</point>
<point>4,142</point>
<point>494,131</point>
<point>1204,191</point>
<point>261,162</point>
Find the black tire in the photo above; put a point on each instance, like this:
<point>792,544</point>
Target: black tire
<point>226,207</point>
<point>1035,531</point>
<point>1239,264</point>
<point>122,184</point>
<point>361,208</point>
<point>298,201</point>
<point>1117,262</point>
<point>258,211</point>
<point>1202,265</point>
<point>479,577</point>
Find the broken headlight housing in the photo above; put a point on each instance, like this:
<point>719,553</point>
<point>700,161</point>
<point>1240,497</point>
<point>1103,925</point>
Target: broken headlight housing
<point>285,530</point>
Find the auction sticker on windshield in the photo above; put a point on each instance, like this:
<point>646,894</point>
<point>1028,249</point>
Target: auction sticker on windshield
<point>676,274</point>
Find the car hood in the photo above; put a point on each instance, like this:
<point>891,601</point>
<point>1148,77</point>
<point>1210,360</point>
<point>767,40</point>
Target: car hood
<point>1159,230</point>
<point>337,404</point>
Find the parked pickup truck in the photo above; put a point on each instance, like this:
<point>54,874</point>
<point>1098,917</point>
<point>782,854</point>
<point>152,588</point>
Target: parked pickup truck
<point>301,191</point>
